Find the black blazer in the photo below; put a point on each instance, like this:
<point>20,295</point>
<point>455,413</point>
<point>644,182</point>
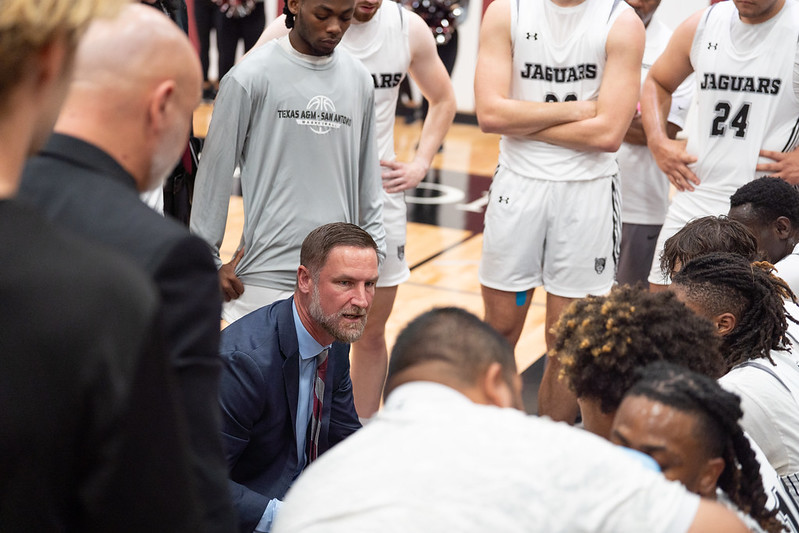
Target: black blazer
<point>90,439</point>
<point>82,188</point>
<point>259,394</point>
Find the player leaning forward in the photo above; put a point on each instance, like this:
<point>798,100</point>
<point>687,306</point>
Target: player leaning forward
<point>559,80</point>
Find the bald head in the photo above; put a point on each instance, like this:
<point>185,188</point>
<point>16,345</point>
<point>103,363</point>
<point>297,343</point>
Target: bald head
<point>137,80</point>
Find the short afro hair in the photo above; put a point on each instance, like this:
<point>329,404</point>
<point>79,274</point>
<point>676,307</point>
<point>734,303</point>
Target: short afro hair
<point>601,341</point>
<point>770,199</point>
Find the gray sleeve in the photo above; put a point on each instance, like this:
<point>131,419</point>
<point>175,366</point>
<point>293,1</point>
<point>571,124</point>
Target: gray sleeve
<point>220,155</point>
<point>370,182</point>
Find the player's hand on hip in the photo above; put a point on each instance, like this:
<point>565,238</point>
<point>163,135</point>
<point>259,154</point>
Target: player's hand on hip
<point>673,160</point>
<point>232,287</point>
<point>785,166</point>
<point>398,176</point>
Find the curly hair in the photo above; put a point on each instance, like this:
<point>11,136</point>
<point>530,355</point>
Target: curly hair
<point>705,235</point>
<point>716,415</point>
<point>600,341</point>
<point>728,283</point>
<point>770,199</point>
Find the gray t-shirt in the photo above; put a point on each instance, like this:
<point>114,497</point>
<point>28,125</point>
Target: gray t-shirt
<point>302,131</point>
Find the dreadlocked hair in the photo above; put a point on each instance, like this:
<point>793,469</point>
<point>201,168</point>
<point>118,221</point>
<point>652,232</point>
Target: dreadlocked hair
<point>601,340</point>
<point>717,427</point>
<point>705,235</point>
<point>289,14</point>
<point>728,283</point>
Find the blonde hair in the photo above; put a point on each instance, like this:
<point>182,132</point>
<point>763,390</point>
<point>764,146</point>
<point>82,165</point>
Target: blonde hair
<point>26,26</point>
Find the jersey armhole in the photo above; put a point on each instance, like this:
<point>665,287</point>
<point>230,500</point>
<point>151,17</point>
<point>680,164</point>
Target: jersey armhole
<point>514,20</point>
<point>700,29</point>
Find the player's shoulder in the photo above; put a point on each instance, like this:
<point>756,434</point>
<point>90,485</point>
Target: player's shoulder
<point>257,62</point>
<point>498,8</point>
<point>349,62</point>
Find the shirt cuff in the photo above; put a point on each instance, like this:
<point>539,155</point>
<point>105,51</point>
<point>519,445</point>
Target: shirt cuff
<point>268,518</point>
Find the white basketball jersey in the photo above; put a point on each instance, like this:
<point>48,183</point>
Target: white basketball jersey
<point>546,69</point>
<point>382,46</point>
<point>644,188</point>
<point>745,96</point>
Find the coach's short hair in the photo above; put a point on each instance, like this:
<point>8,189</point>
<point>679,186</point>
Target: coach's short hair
<point>454,336</point>
<point>27,26</point>
<point>317,245</point>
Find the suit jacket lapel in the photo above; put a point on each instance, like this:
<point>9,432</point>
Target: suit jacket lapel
<point>290,350</point>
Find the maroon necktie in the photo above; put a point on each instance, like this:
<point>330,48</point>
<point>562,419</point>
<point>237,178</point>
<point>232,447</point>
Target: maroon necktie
<point>318,397</point>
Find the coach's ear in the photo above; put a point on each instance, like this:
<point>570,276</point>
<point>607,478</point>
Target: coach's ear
<point>304,280</point>
<point>725,323</point>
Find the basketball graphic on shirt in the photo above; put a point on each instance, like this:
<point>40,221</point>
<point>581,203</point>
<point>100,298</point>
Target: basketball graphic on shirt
<point>322,106</point>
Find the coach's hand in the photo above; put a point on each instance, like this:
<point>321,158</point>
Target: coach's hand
<point>786,165</point>
<point>402,176</point>
<point>232,287</point>
<point>673,160</point>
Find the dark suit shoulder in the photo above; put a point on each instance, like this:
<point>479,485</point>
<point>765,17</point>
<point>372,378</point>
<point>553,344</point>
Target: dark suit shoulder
<point>79,353</point>
<point>260,328</point>
<point>100,207</point>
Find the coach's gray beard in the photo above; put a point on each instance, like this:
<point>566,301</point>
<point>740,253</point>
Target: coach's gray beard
<point>330,323</point>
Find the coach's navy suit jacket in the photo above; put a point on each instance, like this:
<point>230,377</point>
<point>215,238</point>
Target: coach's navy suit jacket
<point>259,395</point>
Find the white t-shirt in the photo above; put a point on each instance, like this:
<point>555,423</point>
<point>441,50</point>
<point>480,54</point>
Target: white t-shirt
<point>433,461</point>
<point>644,188</point>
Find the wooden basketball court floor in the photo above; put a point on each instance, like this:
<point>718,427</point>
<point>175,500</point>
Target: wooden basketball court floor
<point>445,222</point>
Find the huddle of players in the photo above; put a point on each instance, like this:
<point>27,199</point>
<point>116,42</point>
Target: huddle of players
<point>562,90</point>
<point>558,134</point>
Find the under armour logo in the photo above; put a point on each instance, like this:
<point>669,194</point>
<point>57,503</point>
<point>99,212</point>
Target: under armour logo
<point>712,46</point>
<point>504,199</point>
<point>534,36</point>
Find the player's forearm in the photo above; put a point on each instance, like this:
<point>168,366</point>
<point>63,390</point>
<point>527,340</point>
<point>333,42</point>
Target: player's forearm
<point>516,117</point>
<point>439,118</point>
<point>603,133</point>
<point>655,106</point>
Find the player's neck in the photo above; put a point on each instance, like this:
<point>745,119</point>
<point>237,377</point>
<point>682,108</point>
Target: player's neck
<point>567,3</point>
<point>763,17</point>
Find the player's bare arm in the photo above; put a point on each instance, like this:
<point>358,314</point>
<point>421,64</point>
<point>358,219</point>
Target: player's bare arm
<point>618,93</point>
<point>671,68</point>
<point>431,77</point>
<point>496,111</point>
